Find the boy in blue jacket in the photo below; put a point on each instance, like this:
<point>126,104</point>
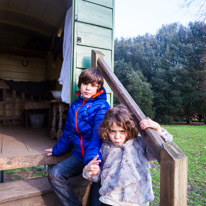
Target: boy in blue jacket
<point>80,133</point>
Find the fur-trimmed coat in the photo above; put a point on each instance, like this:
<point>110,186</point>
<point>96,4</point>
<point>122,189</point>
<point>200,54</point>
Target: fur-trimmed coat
<point>125,174</point>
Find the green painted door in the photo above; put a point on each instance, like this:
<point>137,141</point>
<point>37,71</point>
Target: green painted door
<point>93,29</point>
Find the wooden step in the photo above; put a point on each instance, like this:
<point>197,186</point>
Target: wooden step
<point>25,147</point>
<point>38,192</point>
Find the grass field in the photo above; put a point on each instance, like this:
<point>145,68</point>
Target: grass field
<point>24,173</point>
<point>190,139</point>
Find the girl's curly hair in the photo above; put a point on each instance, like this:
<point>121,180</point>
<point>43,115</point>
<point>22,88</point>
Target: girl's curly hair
<point>122,117</point>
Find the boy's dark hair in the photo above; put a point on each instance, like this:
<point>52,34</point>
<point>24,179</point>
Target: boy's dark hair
<point>123,118</point>
<point>91,76</point>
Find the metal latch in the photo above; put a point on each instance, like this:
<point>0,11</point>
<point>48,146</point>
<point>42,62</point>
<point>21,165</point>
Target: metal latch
<point>79,39</point>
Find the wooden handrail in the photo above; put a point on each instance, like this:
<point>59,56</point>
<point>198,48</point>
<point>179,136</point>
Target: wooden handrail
<point>151,136</point>
<point>173,162</point>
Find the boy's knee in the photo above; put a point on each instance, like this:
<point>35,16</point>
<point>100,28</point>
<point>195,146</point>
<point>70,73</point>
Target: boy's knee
<point>53,174</point>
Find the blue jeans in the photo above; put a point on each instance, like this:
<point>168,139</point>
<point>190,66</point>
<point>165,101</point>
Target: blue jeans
<point>58,178</point>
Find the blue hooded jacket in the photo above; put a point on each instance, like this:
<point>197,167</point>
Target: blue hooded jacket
<point>81,128</point>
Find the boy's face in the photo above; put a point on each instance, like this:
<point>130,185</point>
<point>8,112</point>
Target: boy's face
<point>117,134</point>
<point>87,90</point>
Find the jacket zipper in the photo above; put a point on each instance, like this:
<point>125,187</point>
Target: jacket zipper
<point>81,140</point>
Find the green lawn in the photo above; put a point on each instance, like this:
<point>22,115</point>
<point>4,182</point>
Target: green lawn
<point>192,141</point>
<point>24,173</point>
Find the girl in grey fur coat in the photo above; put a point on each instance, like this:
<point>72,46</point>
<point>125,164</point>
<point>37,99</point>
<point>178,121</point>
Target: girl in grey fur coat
<point>125,176</point>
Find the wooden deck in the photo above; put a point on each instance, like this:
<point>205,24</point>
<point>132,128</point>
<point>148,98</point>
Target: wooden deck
<point>25,147</point>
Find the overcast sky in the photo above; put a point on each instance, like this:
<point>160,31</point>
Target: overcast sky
<point>137,17</point>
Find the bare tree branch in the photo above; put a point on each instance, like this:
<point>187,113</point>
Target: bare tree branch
<point>197,7</point>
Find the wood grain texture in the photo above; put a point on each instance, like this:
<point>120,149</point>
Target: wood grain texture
<point>25,147</point>
<point>94,36</point>
<point>106,3</point>
<point>38,191</point>
<point>173,176</point>
<point>11,68</point>
<point>95,14</point>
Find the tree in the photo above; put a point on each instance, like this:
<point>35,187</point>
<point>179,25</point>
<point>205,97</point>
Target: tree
<point>136,85</point>
<point>172,63</point>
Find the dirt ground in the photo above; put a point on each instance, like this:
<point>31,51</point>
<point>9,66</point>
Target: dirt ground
<point>193,123</point>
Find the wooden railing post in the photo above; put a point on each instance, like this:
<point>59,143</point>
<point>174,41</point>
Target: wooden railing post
<point>173,176</point>
<point>95,56</point>
<point>173,162</point>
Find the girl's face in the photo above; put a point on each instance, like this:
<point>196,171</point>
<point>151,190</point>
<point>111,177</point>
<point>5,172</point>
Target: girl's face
<point>117,134</point>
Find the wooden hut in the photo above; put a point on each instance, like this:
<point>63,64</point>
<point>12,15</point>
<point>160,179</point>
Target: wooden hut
<point>31,39</point>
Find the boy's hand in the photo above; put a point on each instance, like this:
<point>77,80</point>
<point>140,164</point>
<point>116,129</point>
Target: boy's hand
<point>49,151</point>
<point>148,123</point>
<point>93,168</point>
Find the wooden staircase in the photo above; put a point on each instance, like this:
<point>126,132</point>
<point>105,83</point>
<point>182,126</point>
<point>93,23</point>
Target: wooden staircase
<point>35,192</point>
<point>38,192</point>
<point>24,147</point>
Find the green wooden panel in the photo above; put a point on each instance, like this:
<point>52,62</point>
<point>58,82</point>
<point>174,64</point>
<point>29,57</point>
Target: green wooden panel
<point>83,59</point>
<point>94,36</point>
<point>83,56</point>
<point>93,29</point>
<point>107,3</point>
<point>108,89</point>
<point>110,98</point>
<point>78,72</point>
<point>94,14</point>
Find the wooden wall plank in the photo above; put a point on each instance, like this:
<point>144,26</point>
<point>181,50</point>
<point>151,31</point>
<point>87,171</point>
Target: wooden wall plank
<point>11,68</point>
<point>107,3</point>
<point>95,14</point>
<point>83,56</point>
<point>94,36</point>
